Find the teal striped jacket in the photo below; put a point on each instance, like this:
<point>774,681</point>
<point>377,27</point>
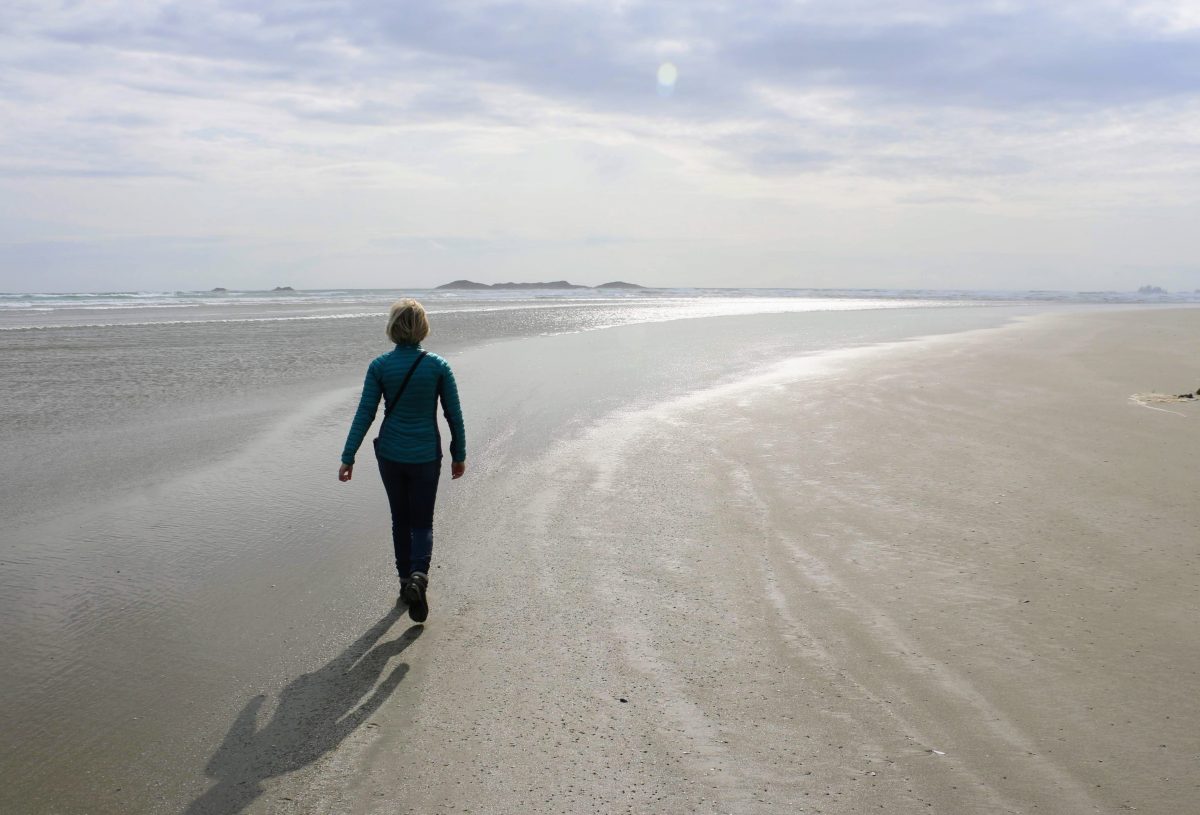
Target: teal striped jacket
<point>409,433</point>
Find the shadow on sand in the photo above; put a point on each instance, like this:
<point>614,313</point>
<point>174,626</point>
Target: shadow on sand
<point>315,713</point>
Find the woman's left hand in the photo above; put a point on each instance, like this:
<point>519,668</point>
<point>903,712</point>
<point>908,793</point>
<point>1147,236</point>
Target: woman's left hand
<point>345,472</point>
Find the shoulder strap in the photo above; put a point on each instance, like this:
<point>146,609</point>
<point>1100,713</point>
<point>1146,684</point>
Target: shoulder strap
<point>387,408</point>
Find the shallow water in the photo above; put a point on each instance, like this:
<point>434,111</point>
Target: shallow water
<point>91,408</point>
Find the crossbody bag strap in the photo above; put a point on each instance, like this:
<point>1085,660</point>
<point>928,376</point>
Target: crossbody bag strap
<point>387,407</point>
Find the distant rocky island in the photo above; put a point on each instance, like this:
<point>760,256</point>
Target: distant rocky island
<point>471,285</point>
<point>283,288</point>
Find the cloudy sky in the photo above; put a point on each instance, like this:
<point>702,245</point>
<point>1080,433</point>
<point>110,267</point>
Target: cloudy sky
<point>841,143</point>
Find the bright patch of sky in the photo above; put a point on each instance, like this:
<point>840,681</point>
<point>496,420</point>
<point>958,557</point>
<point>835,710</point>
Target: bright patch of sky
<point>834,143</point>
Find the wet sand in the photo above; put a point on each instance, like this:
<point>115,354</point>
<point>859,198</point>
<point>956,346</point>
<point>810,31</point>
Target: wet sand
<point>954,576</point>
<point>207,629</point>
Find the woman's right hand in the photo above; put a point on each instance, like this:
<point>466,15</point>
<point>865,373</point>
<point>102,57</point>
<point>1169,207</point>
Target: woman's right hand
<point>345,472</point>
<point>457,468</point>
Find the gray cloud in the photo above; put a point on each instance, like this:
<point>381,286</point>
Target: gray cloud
<point>51,171</point>
<point>508,110</point>
<point>602,57</point>
<point>596,55</point>
<point>118,118</point>
<point>1031,56</point>
<point>937,199</point>
<point>771,153</point>
<point>484,245</point>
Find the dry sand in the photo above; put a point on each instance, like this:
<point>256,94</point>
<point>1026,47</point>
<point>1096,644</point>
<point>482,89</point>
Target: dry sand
<point>954,576</point>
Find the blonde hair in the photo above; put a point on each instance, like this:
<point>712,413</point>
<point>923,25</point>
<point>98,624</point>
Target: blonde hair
<point>407,323</point>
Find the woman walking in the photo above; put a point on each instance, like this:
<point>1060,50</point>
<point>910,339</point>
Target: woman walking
<point>409,447</point>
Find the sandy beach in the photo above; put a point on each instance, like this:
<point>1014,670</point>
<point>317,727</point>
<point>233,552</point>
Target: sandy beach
<point>955,576</point>
<point>952,575</point>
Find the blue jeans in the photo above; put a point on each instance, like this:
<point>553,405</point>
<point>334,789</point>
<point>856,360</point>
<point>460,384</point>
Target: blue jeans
<point>411,491</point>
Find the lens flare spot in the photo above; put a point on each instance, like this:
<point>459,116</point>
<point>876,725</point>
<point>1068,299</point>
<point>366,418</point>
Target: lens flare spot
<point>667,75</point>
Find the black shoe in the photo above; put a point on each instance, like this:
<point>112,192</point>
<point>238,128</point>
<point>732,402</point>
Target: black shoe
<point>414,595</point>
<point>402,599</point>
